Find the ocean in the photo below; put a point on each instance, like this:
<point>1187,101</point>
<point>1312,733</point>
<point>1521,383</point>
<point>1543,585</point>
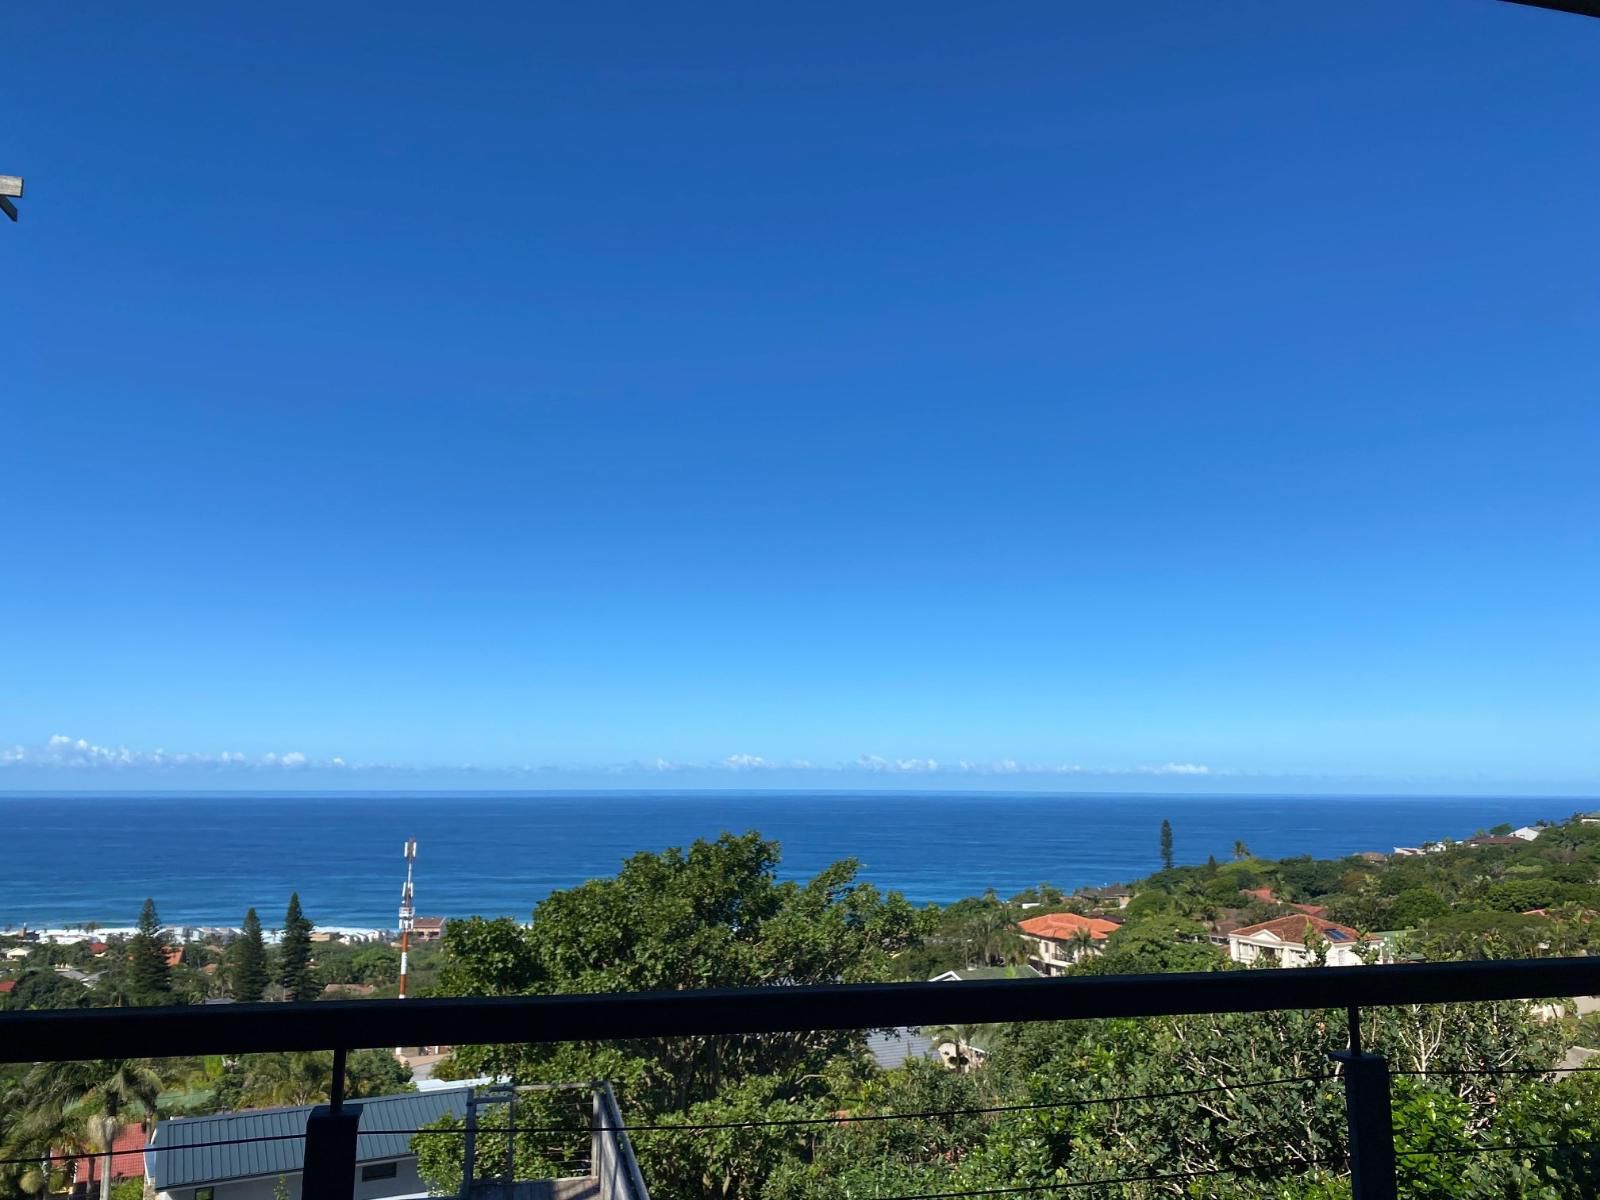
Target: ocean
<point>207,858</point>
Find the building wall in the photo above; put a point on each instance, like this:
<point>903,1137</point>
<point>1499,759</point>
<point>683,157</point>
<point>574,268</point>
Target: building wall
<point>405,1183</point>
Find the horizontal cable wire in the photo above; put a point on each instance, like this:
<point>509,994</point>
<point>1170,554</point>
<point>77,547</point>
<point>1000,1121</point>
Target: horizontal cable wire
<point>1497,1149</point>
<point>711,1126</point>
<point>1450,1071</point>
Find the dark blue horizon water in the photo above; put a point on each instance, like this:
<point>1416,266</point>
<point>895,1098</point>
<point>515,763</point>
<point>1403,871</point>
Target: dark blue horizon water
<point>206,858</point>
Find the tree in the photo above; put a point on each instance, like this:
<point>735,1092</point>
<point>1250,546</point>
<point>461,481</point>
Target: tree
<point>249,955</point>
<point>714,915</point>
<point>1166,845</point>
<point>149,976</point>
<point>295,973</point>
<point>1241,851</point>
<point>105,1090</point>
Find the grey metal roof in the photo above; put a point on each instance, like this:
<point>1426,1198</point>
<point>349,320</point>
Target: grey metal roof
<point>206,1165</point>
<point>891,1048</point>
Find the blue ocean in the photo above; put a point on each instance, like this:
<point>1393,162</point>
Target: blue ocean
<point>207,858</point>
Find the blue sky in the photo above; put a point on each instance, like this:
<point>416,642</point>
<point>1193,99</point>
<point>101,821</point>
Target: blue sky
<point>1092,396</point>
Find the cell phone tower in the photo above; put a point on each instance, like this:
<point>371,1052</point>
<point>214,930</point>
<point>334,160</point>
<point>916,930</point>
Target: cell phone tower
<point>408,913</point>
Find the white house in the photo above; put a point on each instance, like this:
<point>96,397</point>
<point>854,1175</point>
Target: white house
<point>1527,833</point>
<point>1282,942</point>
<point>1061,939</point>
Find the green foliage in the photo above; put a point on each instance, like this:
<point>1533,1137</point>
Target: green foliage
<point>149,977</point>
<point>295,974</point>
<point>1166,844</point>
<point>542,1155</point>
<point>131,1188</point>
<point>714,915</point>
<point>38,989</point>
<point>247,965</point>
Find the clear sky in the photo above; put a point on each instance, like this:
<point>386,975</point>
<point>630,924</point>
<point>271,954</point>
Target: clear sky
<point>1090,395</point>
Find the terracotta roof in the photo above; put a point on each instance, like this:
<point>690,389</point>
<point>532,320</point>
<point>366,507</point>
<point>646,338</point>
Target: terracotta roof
<point>428,923</point>
<point>1311,910</point>
<point>127,1157</point>
<point>1061,927</point>
<point>1263,894</point>
<point>7,985</point>
<point>174,956</point>
<point>1296,928</point>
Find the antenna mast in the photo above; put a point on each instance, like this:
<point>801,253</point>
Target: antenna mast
<point>408,914</point>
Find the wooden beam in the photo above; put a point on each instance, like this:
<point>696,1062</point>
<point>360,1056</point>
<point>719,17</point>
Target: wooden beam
<point>10,185</point>
<point>8,208</point>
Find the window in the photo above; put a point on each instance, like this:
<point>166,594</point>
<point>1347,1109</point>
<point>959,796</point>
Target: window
<point>386,1170</point>
<point>205,1193</point>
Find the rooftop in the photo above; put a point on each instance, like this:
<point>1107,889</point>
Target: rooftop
<point>215,1164</point>
<point>1062,927</point>
<point>1298,927</point>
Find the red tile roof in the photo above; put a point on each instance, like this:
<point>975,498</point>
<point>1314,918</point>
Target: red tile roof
<point>1061,927</point>
<point>7,985</point>
<point>1263,894</point>
<point>127,1157</point>
<point>174,956</point>
<point>1311,910</point>
<point>1298,927</point>
<point>428,924</point>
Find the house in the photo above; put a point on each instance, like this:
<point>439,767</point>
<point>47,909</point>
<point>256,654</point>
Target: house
<point>1282,942</point>
<point>18,953</point>
<point>891,1048</point>
<point>1264,894</point>
<point>127,1161</point>
<point>1495,840</point>
<point>428,929</point>
<point>215,1158</point>
<point>968,973</point>
<point>174,956</point>
<point>386,1165</point>
<point>1528,833</point>
<point>1311,910</point>
<point>7,986</point>
<point>1106,897</point>
<point>1407,851</point>
<point>1374,856</point>
<point>1060,939</point>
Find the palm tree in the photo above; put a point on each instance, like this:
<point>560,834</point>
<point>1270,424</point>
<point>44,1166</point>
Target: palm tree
<point>298,1077</point>
<point>102,1091</point>
<point>1080,944</point>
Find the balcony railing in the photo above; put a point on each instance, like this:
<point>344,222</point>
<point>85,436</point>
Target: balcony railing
<point>331,1134</point>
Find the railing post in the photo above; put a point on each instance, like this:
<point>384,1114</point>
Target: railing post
<point>1370,1116</point>
<point>330,1163</point>
<point>469,1156</point>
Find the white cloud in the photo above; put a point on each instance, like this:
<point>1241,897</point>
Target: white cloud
<point>60,751</point>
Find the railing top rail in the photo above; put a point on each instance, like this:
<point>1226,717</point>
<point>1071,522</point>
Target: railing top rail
<point>245,1028</point>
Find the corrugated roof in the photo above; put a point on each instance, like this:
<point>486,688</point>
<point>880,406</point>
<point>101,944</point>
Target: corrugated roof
<point>204,1165</point>
<point>891,1048</point>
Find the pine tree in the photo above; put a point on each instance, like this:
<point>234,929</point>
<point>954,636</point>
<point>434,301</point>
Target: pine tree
<point>149,977</point>
<point>1166,845</point>
<point>250,961</point>
<point>294,953</point>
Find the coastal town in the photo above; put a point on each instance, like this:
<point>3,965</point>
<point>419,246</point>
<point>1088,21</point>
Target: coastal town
<point>1527,891</point>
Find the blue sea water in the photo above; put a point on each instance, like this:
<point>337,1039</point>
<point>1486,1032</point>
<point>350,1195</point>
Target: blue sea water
<point>205,859</point>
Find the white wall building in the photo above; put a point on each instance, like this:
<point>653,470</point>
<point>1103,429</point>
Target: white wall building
<point>1282,943</point>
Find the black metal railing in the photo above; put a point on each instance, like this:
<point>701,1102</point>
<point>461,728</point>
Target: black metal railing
<point>332,1132</point>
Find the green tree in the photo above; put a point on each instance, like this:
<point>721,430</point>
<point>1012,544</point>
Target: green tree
<point>249,961</point>
<point>714,915</point>
<point>105,1091</point>
<point>149,976</point>
<point>295,973</point>
<point>1240,851</point>
<point>1166,845</point>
